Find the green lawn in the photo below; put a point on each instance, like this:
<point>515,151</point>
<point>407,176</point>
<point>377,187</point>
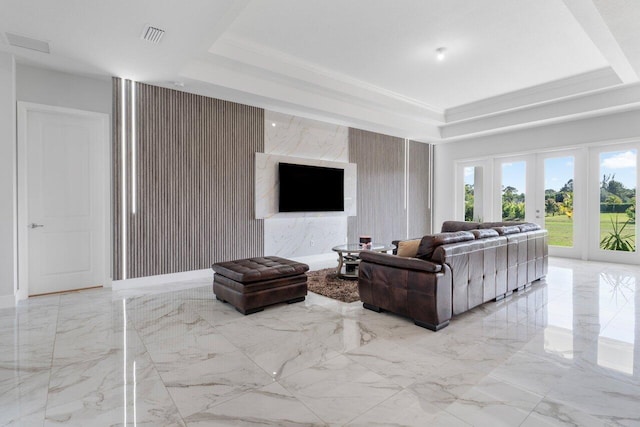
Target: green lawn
<point>561,228</point>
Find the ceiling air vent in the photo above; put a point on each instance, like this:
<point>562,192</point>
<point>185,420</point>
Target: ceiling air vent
<point>27,42</point>
<point>152,34</point>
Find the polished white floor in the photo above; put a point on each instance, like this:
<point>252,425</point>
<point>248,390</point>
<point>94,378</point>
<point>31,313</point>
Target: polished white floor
<point>561,353</point>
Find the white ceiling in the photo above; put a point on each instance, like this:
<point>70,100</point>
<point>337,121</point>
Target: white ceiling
<point>368,63</point>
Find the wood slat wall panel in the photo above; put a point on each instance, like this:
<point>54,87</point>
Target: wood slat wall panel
<point>380,186</point>
<point>419,191</point>
<point>194,176</point>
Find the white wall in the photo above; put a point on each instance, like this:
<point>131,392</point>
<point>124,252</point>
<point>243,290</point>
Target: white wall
<point>50,87</point>
<point>607,128</point>
<point>308,234</point>
<point>8,218</point>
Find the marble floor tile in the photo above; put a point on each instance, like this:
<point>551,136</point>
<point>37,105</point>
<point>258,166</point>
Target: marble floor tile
<point>400,365</point>
<point>23,399</point>
<point>197,387</point>
<point>532,373</point>
<point>599,396</point>
<point>549,413</point>
<point>339,390</point>
<point>271,405</point>
<point>494,403</point>
<point>563,352</point>
<point>407,408</point>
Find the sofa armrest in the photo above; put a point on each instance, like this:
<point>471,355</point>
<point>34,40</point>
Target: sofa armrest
<point>400,262</point>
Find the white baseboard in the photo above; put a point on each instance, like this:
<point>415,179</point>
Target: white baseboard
<point>318,262</point>
<point>117,285</point>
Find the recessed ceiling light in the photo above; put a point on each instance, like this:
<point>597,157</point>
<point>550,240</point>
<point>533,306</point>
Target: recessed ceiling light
<point>178,84</point>
<point>440,53</point>
<point>273,124</point>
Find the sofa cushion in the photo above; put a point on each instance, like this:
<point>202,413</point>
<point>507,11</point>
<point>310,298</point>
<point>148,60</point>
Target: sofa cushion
<point>408,248</point>
<point>451,226</point>
<point>509,229</point>
<point>484,233</point>
<point>257,269</point>
<point>431,241</point>
<point>529,227</point>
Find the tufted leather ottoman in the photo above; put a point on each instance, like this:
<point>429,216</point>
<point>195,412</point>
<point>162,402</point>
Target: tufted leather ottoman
<point>253,283</point>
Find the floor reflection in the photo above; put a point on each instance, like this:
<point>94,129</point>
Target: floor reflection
<point>562,352</point>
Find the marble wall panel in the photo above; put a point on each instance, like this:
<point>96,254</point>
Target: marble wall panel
<point>267,186</point>
<point>299,137</point>
<point>303,236</point>
<point>303,141</point>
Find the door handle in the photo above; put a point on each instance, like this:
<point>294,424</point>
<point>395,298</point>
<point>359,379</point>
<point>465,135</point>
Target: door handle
<point>34,225</point>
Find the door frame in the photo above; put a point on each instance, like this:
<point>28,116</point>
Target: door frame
<point>529,190</point>
<point>23,110</point>
<point>594,251</point>
<point>580,183</point>
<point>483,194</point>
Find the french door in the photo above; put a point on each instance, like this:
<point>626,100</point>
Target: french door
<point>544,189</point>
<point>613,180</point>
<point>585,197</point>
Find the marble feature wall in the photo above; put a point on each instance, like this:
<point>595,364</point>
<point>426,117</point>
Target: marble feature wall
<point>303,141</point>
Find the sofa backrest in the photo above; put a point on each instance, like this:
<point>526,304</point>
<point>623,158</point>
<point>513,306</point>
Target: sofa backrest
<point>449,226</point>
<point>478,268</point>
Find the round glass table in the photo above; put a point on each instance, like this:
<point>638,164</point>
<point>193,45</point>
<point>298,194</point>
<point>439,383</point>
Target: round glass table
<point>348,257</point>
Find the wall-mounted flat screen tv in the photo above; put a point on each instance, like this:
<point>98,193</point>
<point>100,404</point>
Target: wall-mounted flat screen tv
<point>310,188</point>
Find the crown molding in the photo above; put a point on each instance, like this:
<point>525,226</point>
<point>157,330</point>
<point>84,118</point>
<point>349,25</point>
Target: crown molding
<point>232,81</point>
<point>275,61</point>
<point>580,83</point>
<point>604,112</point>
<point>570,106</point>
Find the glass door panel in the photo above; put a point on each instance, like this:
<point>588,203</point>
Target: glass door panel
<point>558,200</point>
<point>513,190</point>
<point>617,216</point>
<point>469,180</point>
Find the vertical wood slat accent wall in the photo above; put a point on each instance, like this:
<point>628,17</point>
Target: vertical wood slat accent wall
<point>419,189</point>
<point>194,182</point>
<point>380,186</point>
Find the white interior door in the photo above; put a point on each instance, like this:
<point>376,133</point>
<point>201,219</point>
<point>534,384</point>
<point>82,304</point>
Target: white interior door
<point>63,198</point>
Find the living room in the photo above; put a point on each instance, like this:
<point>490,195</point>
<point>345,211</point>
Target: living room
<point>195,127</point>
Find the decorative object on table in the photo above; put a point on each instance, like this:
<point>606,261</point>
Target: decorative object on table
<point>327,283</point>
<point>365,242</point>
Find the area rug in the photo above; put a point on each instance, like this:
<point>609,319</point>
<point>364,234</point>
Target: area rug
<point>327,283</point>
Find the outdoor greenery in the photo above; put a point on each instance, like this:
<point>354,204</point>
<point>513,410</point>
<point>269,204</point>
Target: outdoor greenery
<point>616,198</point>
<point>468,202</point>
<point>512,204</point>
<point>559,202</point>
<point>617,212</point>
<point>617,215</point>
<point>618,239</point>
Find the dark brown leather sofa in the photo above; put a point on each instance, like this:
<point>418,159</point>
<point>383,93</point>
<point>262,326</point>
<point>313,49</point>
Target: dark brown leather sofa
<point>454,271</point>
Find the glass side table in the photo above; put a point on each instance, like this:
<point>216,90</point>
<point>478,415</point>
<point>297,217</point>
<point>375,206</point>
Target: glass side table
<point>349,257</point>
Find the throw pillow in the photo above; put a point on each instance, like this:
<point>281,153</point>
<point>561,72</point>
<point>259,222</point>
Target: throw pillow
<point>408,248</point>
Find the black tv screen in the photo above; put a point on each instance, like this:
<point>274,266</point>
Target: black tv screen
<point>310,188</point>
